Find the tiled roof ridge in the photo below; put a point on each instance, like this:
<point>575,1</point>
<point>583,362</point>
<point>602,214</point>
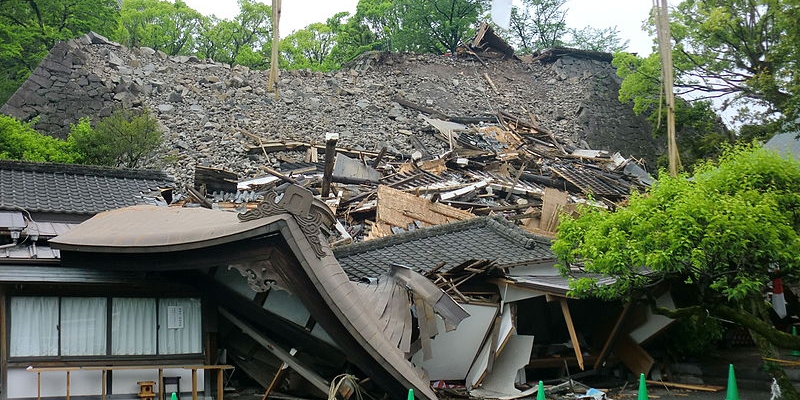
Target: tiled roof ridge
<point>83,169</point>
<point>509,230</point>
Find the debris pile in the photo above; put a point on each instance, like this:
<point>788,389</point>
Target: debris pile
<point>210,111</point>
<point>512,168</point>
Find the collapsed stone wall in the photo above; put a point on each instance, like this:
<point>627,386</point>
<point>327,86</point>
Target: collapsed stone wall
<point>209,110</point>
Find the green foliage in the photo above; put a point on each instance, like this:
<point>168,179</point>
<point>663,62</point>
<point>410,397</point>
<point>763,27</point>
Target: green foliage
<point>700,133</point>
<point>423,26</point>
<point>742,43</point>
<point>720,231</point>
<point>594,39</point>
<point>30,28</point>
<point>744,52</point>
<point>245,40</point>
<point>436,26</point>
<point>159,24</point>
<point>694,336</point>
<point>20,141</point>
<point>311,47</point>
<point>538,25</point>
<point>124,139</point>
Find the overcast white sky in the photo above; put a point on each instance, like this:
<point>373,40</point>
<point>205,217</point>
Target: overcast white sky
<point>626,15</point>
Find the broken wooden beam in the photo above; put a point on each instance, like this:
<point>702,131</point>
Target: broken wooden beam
<point>330,157</point>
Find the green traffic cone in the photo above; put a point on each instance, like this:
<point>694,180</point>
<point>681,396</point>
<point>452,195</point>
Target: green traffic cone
<point>174,396</point>
<point>540,392</point>
<point>794,353</point>
<point>642,388</point>
<point>410,394</point>
<point>733,391</point>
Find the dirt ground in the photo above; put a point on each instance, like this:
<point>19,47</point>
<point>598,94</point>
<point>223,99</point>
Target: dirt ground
<point>660,393</point>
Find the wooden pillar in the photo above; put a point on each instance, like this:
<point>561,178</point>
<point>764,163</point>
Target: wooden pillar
<point>161,394</point>
<point>194,383</point>
<point>220,384</point>
<point>68,384</point>
<point>330,159</point>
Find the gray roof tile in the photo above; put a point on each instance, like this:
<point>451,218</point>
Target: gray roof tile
<point>483,238</point>
<point>74,189</point>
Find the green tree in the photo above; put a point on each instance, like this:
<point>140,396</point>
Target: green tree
<point>159,24</point>
<point>744,52</point>
<point>126,138</point>
<point>19,141</point>
<point>701,134</point>
<point>30,28</point>
<point>353,37</point>
<point>436,26</point>
<point>243,40</point>
<point>424,26</point>
<point>538,25</point>
<point>718,234</point>
<point>309,48</point>
<point>606,40</point>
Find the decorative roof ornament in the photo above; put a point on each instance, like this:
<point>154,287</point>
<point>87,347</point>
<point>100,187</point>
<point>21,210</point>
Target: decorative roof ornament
<point>311,215</point>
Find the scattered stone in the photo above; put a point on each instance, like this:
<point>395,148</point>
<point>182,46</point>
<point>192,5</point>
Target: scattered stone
<point>165,108</point>
<point>114,59</point>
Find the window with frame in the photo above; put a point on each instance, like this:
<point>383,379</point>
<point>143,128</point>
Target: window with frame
<point>81,326</point>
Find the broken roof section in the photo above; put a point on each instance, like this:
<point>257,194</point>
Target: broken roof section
<point>450,245</point>
<point>288,233</point>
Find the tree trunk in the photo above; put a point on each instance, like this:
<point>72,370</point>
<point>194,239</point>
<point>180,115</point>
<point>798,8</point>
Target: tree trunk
<point>769,351</point>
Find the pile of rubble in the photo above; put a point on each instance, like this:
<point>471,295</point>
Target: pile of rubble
<point>211,111</point>
<point>513,168</point>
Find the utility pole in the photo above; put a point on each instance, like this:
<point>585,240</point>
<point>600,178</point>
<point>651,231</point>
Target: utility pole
<point>661,15</point>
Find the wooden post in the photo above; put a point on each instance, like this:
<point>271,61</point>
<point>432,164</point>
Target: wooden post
<point>38,386</point>
<point>220,384</point>
<point>68,384</point>
<point>330,159</point>
<point>572,334</point>
<point>103,375</point>
<point>161,384</point>
<point>194,383</point>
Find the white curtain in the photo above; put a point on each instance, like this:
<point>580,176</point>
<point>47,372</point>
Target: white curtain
<point>83,326</point>
<point>180,327</point>
<point>133,326</point>
<point>34,322</point>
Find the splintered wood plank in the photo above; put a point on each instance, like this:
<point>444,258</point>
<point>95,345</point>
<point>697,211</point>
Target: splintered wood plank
<point>378,230</point>
<point>552,202</point>
<point>635,357</point>
<point>400,209</point>
<point>573,336</point>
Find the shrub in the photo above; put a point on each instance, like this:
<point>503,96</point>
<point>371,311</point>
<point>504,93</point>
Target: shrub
<point>19,141</point>
<point>124,139</point>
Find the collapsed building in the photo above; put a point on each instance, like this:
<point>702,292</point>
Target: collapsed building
<point>409,249</point>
